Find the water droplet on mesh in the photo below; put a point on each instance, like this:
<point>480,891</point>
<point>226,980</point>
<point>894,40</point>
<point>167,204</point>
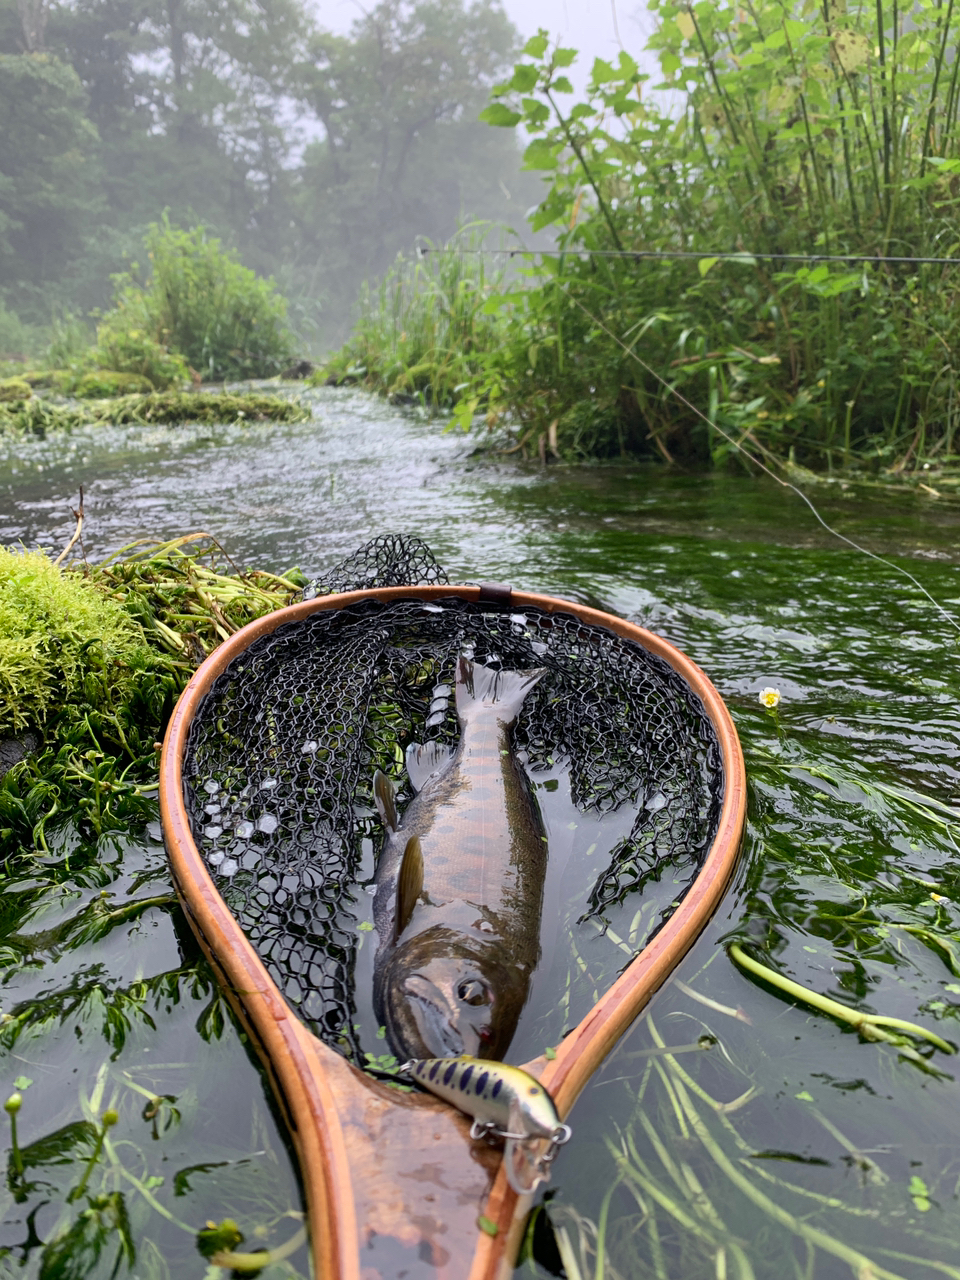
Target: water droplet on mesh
<point>244,831</point>
<point>211,787</point>
<point>438,704</point>
<point>438,718</point>
<point>216,857</point>
<point>268,784</point>
<point>309,748</point>
<point>442,691</point>
<point>432,608</point>
<point>656,802</point>
<point>230,867</point>
<point>268,824</point>
<point>211,809</point>
<point>539,647</point>
<point>520,619</point>
<point>212,832</point>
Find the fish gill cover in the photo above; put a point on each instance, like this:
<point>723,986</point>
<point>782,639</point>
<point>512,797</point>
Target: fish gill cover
<point>282,753</point>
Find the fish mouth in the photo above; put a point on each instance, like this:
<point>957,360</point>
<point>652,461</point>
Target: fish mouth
<point>441,1024</point>
<point>442,995</point>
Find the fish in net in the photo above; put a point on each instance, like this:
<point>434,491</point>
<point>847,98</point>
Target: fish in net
<point>282,752</point>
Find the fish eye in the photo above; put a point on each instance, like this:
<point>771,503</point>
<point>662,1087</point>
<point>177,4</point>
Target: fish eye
<point>533,1091</point>
<point>473,992</point>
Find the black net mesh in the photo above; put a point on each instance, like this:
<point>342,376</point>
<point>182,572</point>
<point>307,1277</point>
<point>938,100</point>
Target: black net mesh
<point>282,752</point>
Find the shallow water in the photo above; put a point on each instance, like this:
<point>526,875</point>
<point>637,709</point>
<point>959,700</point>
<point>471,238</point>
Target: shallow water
<point>847,883</point>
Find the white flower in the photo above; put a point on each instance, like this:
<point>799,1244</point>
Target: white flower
<point>769,697</point>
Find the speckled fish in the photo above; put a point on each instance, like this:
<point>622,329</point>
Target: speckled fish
<point>459,884</point>
<point>504,1101</point>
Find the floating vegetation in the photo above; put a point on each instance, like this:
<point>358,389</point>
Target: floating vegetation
<point>92,663</point>
<point>37,417</point>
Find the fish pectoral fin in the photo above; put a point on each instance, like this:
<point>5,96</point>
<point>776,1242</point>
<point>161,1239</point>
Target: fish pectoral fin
<point>425,759</point>
<point>409,883</point>
<point>385,797</point>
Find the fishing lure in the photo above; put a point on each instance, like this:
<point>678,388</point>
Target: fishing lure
<point>505,1102</point>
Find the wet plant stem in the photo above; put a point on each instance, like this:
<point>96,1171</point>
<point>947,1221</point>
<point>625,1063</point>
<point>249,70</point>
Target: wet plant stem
<point>108,1120</point>
<point>257,1261</point>
<point>12,1106</point>
<point>872,1026</point>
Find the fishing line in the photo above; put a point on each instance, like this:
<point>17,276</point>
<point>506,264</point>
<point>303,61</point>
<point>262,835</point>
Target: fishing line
<point>763,467</point>
<point>744,256</point>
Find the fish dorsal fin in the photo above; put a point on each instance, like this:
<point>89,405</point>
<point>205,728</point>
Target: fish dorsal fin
<point>409,883</point>
<point>385,796</point>
<point>425,759</point>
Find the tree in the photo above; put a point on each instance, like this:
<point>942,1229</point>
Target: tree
<point>403,154</point>
<point>49,178</point>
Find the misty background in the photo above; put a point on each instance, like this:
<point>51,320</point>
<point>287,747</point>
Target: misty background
<point>316,140</point>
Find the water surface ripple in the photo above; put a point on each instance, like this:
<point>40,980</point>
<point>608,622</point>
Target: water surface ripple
<point>785,1144</point>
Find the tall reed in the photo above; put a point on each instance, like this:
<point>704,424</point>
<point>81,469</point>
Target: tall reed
<point>423,332</point>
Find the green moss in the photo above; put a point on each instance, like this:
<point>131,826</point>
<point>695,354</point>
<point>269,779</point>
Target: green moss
<point>95,660</point>
<point>56,379</point>
<point>61,640</point>
<point>39,417</point>
<point>14,389</point>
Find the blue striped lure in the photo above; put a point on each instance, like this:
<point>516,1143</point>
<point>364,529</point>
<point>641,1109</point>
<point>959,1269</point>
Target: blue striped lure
<point>505,1102</point>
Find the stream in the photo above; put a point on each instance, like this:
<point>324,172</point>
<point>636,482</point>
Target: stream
<point>773,1141</point>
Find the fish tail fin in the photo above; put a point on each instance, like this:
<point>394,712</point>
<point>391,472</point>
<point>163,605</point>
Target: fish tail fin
<point>479,686</point>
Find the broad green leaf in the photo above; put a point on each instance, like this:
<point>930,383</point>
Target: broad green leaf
<point>562,85</point>
<point>524,77</point>
<point>795,28</point>
<point>499,115</point>
<point>534,111</point>
<point>545,215</point>
<point>602,72</point>
<point>776,39</point>
<point>581,111</point>
<point>536,46</point>
<point>670,63</point>
<point>564,57</point>
<point>851,50</point>
<point>705,264</point>
<point>686,25</point>
<point>539,155</point>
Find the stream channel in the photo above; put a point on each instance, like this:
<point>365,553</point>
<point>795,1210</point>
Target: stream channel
<point>774,1143</point>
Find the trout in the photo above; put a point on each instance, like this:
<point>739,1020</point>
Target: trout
<point>459,883</point>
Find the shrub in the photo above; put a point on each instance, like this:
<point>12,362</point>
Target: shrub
<point>107,382</point>
<point>424,331</point>
<point>125,346</point>
<point>805,129</point>
<point>201,304</point>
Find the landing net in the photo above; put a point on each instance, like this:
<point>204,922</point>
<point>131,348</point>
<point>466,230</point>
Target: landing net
<point>282,752</point>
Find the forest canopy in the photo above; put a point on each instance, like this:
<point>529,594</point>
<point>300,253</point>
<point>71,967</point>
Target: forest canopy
<point>316,157</point>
